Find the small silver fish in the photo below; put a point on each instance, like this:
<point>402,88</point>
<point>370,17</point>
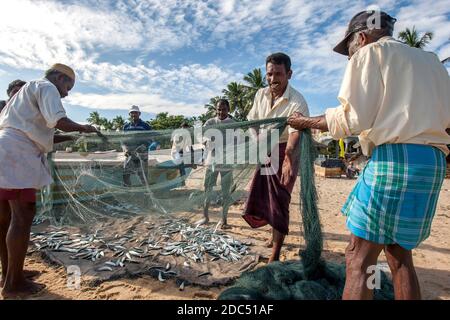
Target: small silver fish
<point>105,268</point>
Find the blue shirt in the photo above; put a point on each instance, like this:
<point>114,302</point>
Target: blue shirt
<point>139,126</point>
<point>131,145</point>
<point>154,146</point>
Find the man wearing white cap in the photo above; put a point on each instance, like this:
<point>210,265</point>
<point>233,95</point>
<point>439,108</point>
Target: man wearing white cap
<point>136,149</point>
<point>27,126</point>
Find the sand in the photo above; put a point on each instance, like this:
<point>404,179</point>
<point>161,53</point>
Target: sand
<point>432,258</point>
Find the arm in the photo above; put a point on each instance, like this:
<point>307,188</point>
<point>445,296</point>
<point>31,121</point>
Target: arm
<point>300,122</point>
<point>290,157</point>
<point>60,138</point>
<point>67,125</point>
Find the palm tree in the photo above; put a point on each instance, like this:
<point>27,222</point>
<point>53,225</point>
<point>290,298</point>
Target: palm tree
<point>236,95</point>
<point>94,118</point>
<point>413,39</point>
<point>118,122</point>
<point>254,81</point>
<point>105,124</point>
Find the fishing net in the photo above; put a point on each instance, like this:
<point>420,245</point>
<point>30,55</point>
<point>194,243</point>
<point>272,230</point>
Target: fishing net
<point>90,186</point>
<point>116,209</point>
<point>289,281</point>
<point>114,226</point>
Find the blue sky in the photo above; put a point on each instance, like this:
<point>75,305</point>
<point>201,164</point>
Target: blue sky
<point>174,55</point>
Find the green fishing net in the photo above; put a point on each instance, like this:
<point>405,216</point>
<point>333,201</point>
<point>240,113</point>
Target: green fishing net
<point>89,173</point>
<point>89,188</point>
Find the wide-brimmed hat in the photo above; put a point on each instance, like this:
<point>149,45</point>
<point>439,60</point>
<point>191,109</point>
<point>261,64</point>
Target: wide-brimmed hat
<point>134,109</point>
<point>365,20</point>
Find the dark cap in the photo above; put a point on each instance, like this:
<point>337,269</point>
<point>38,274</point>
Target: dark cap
<point>365,20</point>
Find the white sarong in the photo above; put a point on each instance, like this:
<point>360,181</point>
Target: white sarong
<point>22,164</point>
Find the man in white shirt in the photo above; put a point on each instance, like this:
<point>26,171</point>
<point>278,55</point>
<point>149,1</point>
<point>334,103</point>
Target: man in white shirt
<point>211,175</point>
<point>27,126</point>
<point>397,99</point>
<point>270,195</point>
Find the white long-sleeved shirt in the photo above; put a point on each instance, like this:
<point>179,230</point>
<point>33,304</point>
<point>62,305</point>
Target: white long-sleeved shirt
<point>392,93</point>
<point>291,101</point>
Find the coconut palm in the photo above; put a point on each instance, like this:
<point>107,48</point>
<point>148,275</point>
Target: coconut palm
<point>118,122</point>
<point>255,80</point>
<point>94,118</point>
<point>237,96</point>
<point>413,39</point>
<point>105,124</point>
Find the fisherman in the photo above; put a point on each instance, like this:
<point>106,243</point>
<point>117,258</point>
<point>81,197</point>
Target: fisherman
<point>396,98</point>
<point>136,150</point>
<point>270,195</point>
<point>27,126</point>
<point>181,148</point>
<point>13,88</point>
<point>212,173</point>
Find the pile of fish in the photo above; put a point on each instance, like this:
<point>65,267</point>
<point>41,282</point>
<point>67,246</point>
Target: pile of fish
<point>194,243</point>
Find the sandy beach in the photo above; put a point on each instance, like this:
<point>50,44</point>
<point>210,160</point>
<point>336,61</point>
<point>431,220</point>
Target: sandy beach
<point>432,258</point>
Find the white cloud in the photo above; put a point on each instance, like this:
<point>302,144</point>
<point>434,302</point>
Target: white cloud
<point>151,103</point>
<point>115,45</point>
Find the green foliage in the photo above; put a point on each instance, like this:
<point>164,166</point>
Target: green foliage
<point>103,123</point>
<point>118,123</point>
<point>412,38</point>
<point>165,121</point>
<point>236,94</point>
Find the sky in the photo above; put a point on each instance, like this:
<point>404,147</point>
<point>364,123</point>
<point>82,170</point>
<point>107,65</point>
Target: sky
<point>174,55</point>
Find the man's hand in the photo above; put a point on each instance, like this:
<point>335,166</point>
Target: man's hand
<point>297,121</point>
<point>300,122</point>
<point>286,172</point>
<point>87,128</point>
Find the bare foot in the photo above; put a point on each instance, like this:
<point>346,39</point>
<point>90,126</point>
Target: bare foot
<point>27,288</point>
<point>29,274</point>
<point>202,221</point>
<point>225,226</point>
<point>269,244</point>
